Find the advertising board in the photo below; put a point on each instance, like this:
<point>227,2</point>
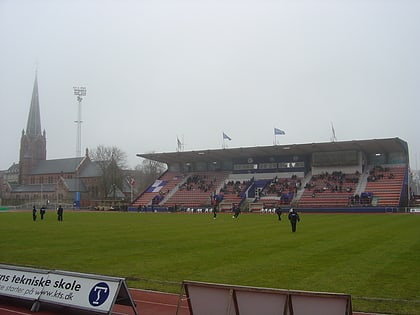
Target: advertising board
<point>77,290</point>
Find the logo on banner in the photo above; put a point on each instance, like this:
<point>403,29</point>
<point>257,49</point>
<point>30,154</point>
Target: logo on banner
<point>98,294</point>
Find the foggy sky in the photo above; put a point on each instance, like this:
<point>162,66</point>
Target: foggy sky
<point>158,70</point>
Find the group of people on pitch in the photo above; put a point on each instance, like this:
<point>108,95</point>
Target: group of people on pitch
<point>293,216</point>
<point>43,210</point>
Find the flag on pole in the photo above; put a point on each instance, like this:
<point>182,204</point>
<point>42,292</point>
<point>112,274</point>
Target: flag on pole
<point>179,144</point>
<point>333,136</point>
<point>131,181</point>
<point>278,132</point>
<point>225,136</point>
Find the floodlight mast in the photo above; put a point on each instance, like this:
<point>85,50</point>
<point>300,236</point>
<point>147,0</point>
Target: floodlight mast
<point>79,92</point>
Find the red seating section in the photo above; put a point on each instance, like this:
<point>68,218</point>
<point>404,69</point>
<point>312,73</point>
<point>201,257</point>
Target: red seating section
<point>231,193</point>
<point>326,190</point>
<point>197,189</point>
<point>386,185</point>
<point>329,190</point>
<point>172,179</point>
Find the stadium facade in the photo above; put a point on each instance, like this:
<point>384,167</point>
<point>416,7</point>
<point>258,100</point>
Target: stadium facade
<point>358,174</point>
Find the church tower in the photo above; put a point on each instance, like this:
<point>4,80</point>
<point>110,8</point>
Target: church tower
<point>33,143</point>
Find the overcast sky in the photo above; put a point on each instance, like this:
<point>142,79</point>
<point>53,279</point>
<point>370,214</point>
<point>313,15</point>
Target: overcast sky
<point>156,70</point>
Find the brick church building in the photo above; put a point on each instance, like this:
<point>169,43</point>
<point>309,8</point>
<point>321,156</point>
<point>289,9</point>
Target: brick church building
<point>72,182</point>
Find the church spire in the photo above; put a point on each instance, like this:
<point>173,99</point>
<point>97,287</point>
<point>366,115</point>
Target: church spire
<point>33,144</point>
<point>33,128</point>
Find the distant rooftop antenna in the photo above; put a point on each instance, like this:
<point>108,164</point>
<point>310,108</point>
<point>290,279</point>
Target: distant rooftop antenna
<point>79,92</point>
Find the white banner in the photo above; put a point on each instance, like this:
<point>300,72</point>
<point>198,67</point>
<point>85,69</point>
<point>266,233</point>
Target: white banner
<point>87,291</point>
<point>81,292</point>
<point>26,284</point>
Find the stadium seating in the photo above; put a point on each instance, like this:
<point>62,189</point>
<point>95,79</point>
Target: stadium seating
<point>197,189</point>
<point>329,190</point>
<point>280,191</point>
<point>386,184</point>
<point>172,179</point>
<point>233,193</point>
<point>381,185</point>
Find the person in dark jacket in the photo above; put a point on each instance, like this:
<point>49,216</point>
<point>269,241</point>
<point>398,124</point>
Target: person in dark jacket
<point>217,199</point>
<point>215,205</point>
<point>293,218</point>
<point>42,212</point>
<point>34,213</point>
<point>278,212</point>
<point>236,211</point>
<point>60,213</point>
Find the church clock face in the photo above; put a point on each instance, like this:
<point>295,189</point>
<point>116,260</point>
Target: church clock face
<point>250,160</point>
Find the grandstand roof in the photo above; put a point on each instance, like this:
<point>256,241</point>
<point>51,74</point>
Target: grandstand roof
<point>207,155</point>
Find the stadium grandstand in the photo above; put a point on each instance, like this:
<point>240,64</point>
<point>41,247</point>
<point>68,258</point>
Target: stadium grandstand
<point>340,176</point>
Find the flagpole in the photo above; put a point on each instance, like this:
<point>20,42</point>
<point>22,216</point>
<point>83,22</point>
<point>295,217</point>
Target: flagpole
<point>333,136</point>
<point>224,137</point>
<point>275,136</point>
<point>179,144</point>
<point>274,141</point>
<point>276,133</point>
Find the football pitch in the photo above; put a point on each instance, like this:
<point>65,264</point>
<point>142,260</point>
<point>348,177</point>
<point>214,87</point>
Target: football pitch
<point>373,257</point>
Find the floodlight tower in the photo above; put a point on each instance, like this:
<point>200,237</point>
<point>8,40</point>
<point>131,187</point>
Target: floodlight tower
<point>79,92</point>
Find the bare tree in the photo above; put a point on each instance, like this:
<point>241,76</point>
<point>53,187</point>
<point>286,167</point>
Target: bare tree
<point>111,161</point>
<point>147,172</point>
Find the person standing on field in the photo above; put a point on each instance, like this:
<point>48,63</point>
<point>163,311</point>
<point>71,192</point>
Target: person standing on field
<point>42,212</point>
<point>236,211</point>
<point>60,213</point>
<point>293,218</point>
<point>215,206</point>
<point>216,201</point>
<point>278,212</point>
<point>34,213</point>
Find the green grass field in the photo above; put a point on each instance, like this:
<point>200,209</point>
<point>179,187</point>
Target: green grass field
<point>373,257</point>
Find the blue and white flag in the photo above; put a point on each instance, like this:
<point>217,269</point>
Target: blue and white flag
<point>225,136</point>
<point>278,132</point>
<point>157,186</point>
